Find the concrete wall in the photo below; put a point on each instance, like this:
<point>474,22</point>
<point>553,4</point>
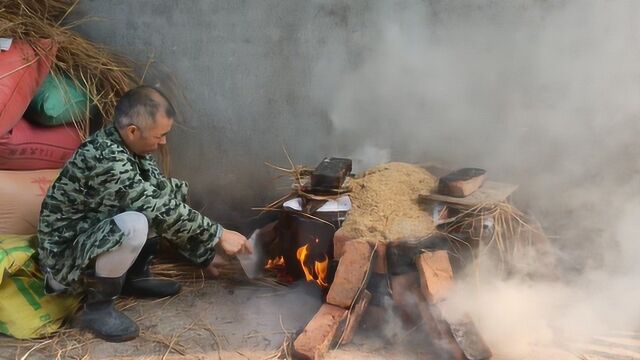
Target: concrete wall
<point>540,93</point>
<point>245,69</point>
<point>545,94</point>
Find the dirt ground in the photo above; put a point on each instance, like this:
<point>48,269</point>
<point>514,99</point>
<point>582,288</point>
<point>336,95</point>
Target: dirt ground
<point>233,318</point>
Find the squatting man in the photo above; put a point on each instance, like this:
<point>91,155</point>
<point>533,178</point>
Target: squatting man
<point>102,218</point>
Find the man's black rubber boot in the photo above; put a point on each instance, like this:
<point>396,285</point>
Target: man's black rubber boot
<point>99,316</point>
<point>140,282</point>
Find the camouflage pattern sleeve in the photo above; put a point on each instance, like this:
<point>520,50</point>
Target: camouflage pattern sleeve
<point>180,188</point>
<point>192,233</point>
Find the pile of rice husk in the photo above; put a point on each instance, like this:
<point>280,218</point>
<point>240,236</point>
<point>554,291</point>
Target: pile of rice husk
<point>385,203</point>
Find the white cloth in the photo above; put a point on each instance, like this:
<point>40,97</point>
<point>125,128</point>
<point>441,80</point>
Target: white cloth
<point>342,203</point>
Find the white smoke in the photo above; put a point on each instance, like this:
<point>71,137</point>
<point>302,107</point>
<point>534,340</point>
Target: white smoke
<point>543,94</point>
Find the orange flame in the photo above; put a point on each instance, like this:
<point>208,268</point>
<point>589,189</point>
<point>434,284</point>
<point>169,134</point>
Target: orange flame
<point>319,269</point>
<point>273,263</point>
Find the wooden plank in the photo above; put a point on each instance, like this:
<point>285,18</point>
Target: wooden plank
<point>491,192</point>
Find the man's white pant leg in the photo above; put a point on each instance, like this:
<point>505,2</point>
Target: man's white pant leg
<point>116,262</point>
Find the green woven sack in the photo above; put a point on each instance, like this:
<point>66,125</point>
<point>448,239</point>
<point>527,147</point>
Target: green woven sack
<point>58,101</point>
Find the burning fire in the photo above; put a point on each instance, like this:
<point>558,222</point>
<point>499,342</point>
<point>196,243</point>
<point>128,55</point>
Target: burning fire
<point>314,271</point>
<point>275,263</point>
<point>319,268</point>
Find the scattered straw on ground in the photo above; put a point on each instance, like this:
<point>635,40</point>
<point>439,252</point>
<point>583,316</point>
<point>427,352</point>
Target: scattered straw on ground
<point>70,343</point>
<point>385,203</point>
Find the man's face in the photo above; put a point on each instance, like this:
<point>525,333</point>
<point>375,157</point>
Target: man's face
<point>144,141</point>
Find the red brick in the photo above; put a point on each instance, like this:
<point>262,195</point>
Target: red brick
<point>320,333</point>
<point>436,275</point>
<point>340,238</point>
<point>460,188</point>
<point>351,273</point>
<point>354,317</point>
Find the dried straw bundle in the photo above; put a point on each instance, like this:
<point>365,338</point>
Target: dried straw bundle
<point>102,74</point>
<point>299,174</point>
<point>51,10</point>
<point>512,236</point>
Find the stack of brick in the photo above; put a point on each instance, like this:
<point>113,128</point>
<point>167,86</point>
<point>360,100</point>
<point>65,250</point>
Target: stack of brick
<point>336,321</point>
<point>413,272</point>
<point>417,294</point>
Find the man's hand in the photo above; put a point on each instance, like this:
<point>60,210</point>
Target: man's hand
<point>234,243</point>
<point>213,270</point>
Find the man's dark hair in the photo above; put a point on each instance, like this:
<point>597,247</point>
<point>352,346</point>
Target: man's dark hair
<point>139,106</point>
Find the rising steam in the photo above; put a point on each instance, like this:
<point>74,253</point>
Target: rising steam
<point>545,94</point>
